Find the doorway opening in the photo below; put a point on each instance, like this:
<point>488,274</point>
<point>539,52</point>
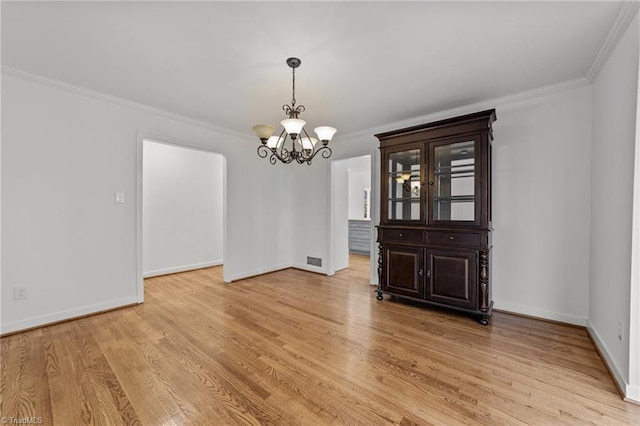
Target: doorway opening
<point>351,224</point>
<point>180,210</point>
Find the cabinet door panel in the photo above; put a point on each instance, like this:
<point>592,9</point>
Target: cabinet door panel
<point>453,278</point>
<point>455,181</point>
<point>403,271</point>
<point>402,178</point>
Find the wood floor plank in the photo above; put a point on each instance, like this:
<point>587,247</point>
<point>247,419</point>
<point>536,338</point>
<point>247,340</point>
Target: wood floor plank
<point>298,348</point>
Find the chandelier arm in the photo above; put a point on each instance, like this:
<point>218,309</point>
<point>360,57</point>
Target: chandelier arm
<point>284,156</point>
<point>286,159</point>
<point>306,159</point>
<point>280,152</point>
<point>303,151</point>
<point>326,152</point>
<point>282,137</point>
<point>279,149</point>
<point>263,151</point>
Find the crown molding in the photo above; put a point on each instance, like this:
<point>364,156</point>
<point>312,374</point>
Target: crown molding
<point>492,103</point>
<point>467,109</point>
<point>82,91</point>
<point>625,16</point>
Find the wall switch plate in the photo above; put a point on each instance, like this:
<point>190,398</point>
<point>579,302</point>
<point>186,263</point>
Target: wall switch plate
<point>20,293</point>
<point>119,197</point>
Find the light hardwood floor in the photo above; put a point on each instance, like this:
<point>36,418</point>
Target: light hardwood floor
<point>294,347</point>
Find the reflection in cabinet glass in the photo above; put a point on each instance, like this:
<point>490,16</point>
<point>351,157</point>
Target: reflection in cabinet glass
<point>454,172</point>
<point>404,185</point>
<point>435,231</point>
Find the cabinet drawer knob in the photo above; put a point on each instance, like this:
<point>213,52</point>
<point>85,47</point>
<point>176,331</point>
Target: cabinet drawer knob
<point>420,272</point>
<point>401,234</point>
<point>451,237</point>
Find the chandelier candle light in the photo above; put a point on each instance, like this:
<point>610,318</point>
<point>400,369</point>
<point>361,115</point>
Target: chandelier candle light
<point>302,147</point>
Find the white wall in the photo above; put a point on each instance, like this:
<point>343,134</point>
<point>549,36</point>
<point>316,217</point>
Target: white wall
<point>340,212</point>
<point>310,185</point>
<point>182,208</point>
<point>359,179</point>
<point>542,160</point>
<point>313,207</point>
<point>59,178</point>
<point>541,203</point>
<point>615,93</point>
<point>633,387</point>
<point>64,155</point>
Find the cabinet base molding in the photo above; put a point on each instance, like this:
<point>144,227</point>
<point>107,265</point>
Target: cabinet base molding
<point>483,317</point>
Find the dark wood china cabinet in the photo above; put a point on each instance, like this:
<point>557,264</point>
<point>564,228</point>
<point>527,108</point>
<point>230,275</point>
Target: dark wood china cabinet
<point>435,229</point>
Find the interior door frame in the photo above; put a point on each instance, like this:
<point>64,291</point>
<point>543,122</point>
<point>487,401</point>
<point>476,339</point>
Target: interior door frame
<point>140,138</point>
<point>374,210</point>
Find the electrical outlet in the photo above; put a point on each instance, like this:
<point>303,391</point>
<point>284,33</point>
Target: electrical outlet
<point>20,293</point>
<point>620,330</point>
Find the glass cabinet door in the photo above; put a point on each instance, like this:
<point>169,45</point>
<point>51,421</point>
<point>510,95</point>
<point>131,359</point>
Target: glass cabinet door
<point>454,181</point>
<point>403,185</point>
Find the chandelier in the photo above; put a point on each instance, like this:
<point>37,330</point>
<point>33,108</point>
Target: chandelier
<point>301,148</point>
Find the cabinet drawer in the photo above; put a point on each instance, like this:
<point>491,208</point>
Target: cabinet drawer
<point>455,239</point>
<point>402,235</point>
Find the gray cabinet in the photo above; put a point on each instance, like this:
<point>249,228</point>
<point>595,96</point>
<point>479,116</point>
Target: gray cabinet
<point>359,236</point>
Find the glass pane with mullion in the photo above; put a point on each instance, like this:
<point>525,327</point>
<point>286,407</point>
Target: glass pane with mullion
<point>454,192</point>
<point>404,185</point>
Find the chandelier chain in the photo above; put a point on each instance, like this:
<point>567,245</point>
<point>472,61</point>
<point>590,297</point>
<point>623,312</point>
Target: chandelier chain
<point>293,98</point>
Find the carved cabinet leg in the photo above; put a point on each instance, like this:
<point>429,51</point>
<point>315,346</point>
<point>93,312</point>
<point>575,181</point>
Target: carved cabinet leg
<point>484,286</point>
<point>379,296</point>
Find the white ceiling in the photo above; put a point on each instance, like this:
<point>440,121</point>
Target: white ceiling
<point>364,64</point>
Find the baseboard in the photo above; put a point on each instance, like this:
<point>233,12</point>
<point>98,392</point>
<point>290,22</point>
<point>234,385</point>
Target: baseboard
<point>256,272</point>
<point>539,313</point>
<point>632,394</point>
<point>185,268</point>
<point>309,268</point>
<point>42,320</point>
<point>610,363</point>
